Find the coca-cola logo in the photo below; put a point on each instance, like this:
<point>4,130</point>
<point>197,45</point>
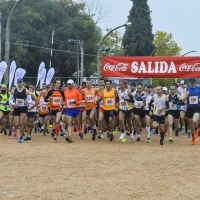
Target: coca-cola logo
<point>118,67</point>
<point>187,68</point>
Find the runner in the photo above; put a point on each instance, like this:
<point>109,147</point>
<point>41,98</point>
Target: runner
<point>125,100</point>
<point>160,104</point>
<point>72,100</point>
<point>193,96</point>
<point>20,98</point>
<point>55,97</point>
<point>90,94</point>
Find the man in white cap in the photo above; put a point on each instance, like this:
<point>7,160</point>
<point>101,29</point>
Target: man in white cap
<point>181,88</point>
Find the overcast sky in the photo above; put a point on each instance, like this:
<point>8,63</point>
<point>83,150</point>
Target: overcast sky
<point>179,17</point>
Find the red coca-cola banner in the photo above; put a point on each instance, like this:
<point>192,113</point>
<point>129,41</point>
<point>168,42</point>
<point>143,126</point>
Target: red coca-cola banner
<point>151,67</point>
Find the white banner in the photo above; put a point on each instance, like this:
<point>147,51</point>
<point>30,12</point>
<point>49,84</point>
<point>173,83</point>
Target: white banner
<point>13,67</point>
<point>44,71</point>
<point>50,74</point>
<point>19,74</point>
<point>41,67</point>
<point>3,66</point>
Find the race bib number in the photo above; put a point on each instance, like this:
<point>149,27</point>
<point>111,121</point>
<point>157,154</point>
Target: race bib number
<point>20,102</point>
<point>172,106</point>
<point>90,98</point>
<point>70,103</point>
<point>160,111</point>
<point>124,105</point>
<point>56,100</point>
<point>44,108</point>
<point>193,100</point>
<point>138,104</point>
<point>83,104</point>
<point>109,102</point>
<point>101,104</point>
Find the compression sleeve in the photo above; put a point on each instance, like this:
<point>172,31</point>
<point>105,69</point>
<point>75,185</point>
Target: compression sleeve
<point>131,99</point>
<point>150,104</point>
<point>167,105</point>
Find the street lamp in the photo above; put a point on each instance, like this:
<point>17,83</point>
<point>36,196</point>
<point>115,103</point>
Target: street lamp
<point>99,47</point>
<point>7,40</point>
<point>189,52</point>
<point>150,79</point>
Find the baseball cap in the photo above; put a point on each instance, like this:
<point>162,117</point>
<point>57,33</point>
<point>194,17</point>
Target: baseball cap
<point>192,80</point>
<point>149,86</point>
<point>70,81</point>
<point>182,82</point>
<point>165,88</point>
<point>19,80</point>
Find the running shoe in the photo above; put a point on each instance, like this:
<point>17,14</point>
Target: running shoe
<point>161,141</point>
<point>5,132</point>
<point>28,138</point>
<point>10,133</point>
<point>195,133</point>
<point>193,142</point>
<point>128,133</point>
<point>94,134</point>
<point>15,136</point>
<point>183,130</point>
<point>138,139</point>
<point>50,125</point>
<point>111,137</point>
<point>148,140</point>
<point>124,140</point>
<point>75,129</point>
<point>99,135</point>
<point>154,131</point>
<point>44,133</point>
<point>21,139</point>
<point>189,134</point>
<point>69,139</point>
<point>114,131</point>
<point>122,136</point>
<point>53,133</point>
<point>55,137</point>
<point>81,135</point>
<point>176,133</point>
<point>108,134</point>
<point>171,139</point>
<point>131,135</point>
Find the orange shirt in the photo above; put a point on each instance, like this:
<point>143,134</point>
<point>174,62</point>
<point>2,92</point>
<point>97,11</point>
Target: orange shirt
<point>43,106</point>
<point>90,98</point>
<point>71,96</point>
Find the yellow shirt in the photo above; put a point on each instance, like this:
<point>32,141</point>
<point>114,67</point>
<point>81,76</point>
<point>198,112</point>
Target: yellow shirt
<point>109,100</point>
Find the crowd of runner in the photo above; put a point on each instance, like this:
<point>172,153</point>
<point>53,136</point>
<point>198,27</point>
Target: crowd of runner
<point>106,108</point>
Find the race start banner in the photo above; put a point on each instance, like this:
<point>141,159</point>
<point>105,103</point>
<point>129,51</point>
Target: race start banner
<point>151,67</point>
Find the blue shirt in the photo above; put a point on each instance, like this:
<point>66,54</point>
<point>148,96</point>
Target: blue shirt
<point>194,96</point>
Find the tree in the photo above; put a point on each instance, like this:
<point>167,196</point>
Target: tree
<point>31,28</point>
<point>112,45</point>
<point>170,48</point>
<point>138,39</point>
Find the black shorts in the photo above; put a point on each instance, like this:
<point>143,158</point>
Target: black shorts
<point>192,111</point>
<point>166,113</point>
<point>54,112</point>
<point>89,111</point>
<point>127,113</point>
<point>7,112</point>
<point>139,112</point>
<point>31,114</point>
<point>18,111</point>
<point>116,113</point>
<point>43,115</point>
<point>174,113</point>
<point>107,114</point>
<point>159,119</point>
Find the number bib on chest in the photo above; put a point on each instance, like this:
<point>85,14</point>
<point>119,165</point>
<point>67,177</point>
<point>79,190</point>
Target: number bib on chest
<point>193,100</point>
<point>56,100</point>
<point>172,106</point>
<point>159,111</point>
<point>70,103</point>
<point>109,102</point>
<point>90,98</point>
<point>138,104</point>
<point>20,102</point>
<point>44,108</point>
<point>124,105</point>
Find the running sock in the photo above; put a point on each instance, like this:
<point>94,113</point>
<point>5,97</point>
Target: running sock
<point>57,128</point>
<point>15,132</point>
<point>29,136</point>
<point>148,132</point>
<point>79,128</point>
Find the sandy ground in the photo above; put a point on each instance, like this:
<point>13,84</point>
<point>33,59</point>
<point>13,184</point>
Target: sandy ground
<point>100,169</point>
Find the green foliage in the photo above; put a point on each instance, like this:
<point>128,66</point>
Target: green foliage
<point>31,29</point>
<point>170,48</point>
<point>138,38</point>
<point>113,44</point>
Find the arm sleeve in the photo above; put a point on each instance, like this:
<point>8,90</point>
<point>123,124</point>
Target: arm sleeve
<point>150,104</point>
<point>167,105</point>
<point>117,99</point>
<point>11,99</point>
<point>131,99</point>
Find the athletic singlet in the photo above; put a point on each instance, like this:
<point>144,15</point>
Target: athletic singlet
<point>193,98</point>
<point>4,102</point>
<point>90,98</point>
<point>109,99</point>
<point>148,99</point>
<point>183,107</point>
<point>31,104</point>
<point>123,104</point>
<point>43,106</point>
<point>57,99</point>
<point>138,100</point>
<point>72,96</point>
<point>20,97</point>
<point>174,102</point>
<point>159,104</point>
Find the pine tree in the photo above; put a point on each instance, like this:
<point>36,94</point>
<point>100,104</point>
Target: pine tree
<point>138,38</point>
